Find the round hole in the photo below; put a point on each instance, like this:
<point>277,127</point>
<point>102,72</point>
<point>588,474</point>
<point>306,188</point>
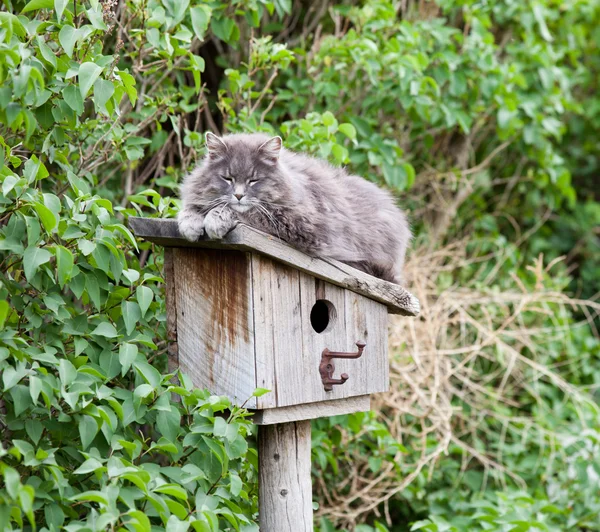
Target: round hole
<point>322,315</point>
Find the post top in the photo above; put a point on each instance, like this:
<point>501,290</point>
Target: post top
<point>165,232</point>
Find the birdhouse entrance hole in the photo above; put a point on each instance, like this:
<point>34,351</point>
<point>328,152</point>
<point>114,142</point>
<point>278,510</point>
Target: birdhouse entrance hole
<point>322,315</point>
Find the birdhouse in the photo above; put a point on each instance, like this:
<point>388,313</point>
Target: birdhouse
<point>249,311</point>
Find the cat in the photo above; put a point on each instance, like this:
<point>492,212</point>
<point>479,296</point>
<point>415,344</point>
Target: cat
<point>319,209</point>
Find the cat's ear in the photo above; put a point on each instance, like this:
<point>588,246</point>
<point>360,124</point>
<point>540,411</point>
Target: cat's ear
<point>215,146</point>
<point>271,149</point>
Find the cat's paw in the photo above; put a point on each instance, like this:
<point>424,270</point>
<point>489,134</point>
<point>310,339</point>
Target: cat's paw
<point>219,222</point>
<point>191,226</point>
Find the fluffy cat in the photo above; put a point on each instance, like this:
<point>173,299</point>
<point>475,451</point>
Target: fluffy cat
<point>321,210</point>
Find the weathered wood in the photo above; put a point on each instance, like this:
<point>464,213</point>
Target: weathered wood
<point>215,334</point>
<point>278,333</point>
<point>171,305</point>
<point>398,300</point>
<point>288,349</point>
<point>284,484</point>
<point>337,407</point>
<point>366,320</point>
<point>333,338</point>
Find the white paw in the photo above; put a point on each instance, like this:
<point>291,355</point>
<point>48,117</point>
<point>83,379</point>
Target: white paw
<point>218,223</point>
<point>191,226</point>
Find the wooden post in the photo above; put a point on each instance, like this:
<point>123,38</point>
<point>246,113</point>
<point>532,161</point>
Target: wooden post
<point>284,483</point>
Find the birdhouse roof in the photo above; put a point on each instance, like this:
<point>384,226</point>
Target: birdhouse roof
<point>165,232</point>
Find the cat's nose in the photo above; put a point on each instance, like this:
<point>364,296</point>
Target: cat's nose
<point>239,196</point>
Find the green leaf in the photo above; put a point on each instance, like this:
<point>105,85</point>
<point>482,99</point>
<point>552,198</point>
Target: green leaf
<point>140,519</point>
<point>46,52</point>
<point>105,329</point>
<point>67,36</point>
<point>11,481</point>
<point>129,85</point>
<point>200,18</point>
<point>88,74</point>
<point>103,91</point>
<point>64,264</point>
<point>46,216</point>
<point>538,13</point>
<point>143,390</point>
<point>235,484</point>
<point>340,153</point>
<point>259,392</point>
<point>54,516</point>
<point>168,423</point>
<point>66,372</point>
<point>92,496</point>
<point>34,429</point>
<point>4,310</point>
<point>223,28</point>
<point>328,119</point>
<point>349,130</point>
<point>33,258</point>
<point>86,246</point>
<point>131,315</point>
<point>144,297</point>
<point>90,465</point>
<point>12,24</point>
<point>131,275</point>
<point>34,5</point>
<point>410,174</point>
<point>220,427</point>
<point>127,354</point>
<point>73,99</point>
<point>88,428</point>
<point>237,448</point>
<point>59,7</point>
<point>173,490</point>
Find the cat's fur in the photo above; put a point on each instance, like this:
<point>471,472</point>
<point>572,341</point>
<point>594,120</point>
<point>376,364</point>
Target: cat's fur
<point>321,210</point>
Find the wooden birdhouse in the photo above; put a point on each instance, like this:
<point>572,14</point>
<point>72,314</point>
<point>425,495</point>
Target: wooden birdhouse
<point>248,312</point>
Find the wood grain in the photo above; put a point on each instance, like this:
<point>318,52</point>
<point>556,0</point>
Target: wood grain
<point>366,320</point>
<point>171,305</point>
<point>288,349</point>
<point>313,343</point>
<point>362,403</point>
<point>215,331</point>
<point>398,300</point>
<point>284,483</point>
<point>278,332</point>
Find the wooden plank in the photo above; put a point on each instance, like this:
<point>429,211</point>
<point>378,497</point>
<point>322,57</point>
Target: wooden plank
<point>361,403</point>
<point>366,321</point>
<point>289,349</point>
<point>171,305</point>
<point>215,334</point>
<point>313,343</point>
<point>284,483</point>
<point>277,330</point>
<point>398,300</point>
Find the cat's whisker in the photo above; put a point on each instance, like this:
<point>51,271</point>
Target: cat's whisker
<point>212,204</point>
<point>270,217</point>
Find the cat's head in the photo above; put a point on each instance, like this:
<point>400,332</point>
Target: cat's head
<point>244,171</point>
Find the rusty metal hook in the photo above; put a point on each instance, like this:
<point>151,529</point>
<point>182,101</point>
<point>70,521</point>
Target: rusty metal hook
<point>327,367</point>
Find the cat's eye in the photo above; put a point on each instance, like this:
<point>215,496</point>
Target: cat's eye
<point>226,179</point>
<point>252,182</point>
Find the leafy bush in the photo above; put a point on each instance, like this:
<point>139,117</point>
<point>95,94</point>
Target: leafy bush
<point>95,433</point>
<point>484,114</point>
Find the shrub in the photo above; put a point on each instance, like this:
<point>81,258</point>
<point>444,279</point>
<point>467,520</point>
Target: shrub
<point>483,114</point>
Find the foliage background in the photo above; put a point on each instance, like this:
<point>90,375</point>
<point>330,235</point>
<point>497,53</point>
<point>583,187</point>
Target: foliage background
<point>482,115</point>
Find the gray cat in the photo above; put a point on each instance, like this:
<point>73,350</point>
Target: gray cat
<point>321,210</point>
